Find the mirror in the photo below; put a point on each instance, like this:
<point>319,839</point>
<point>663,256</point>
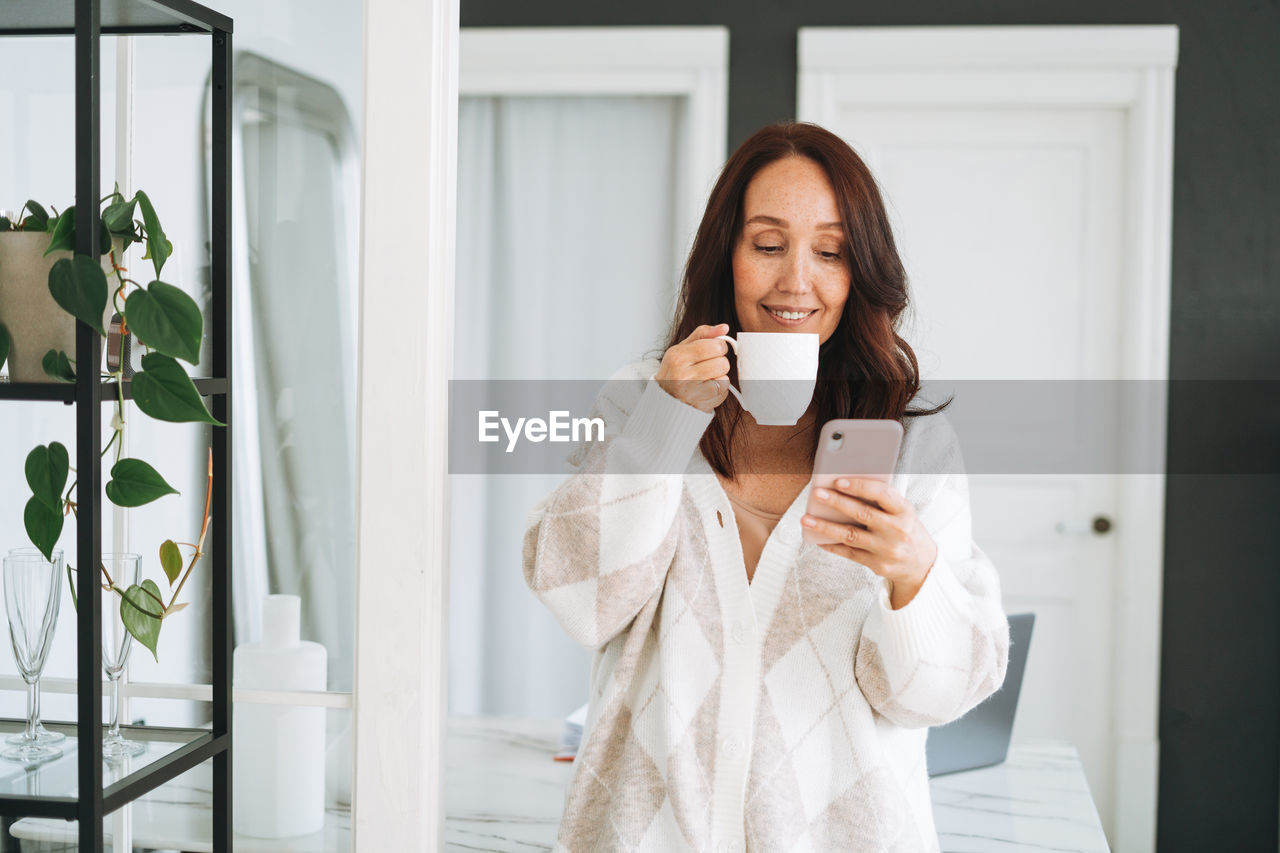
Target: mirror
<point>295,312</point>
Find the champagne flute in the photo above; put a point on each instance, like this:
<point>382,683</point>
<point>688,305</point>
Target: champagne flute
<point>43,735</point>
<point>125,570</point>
<point>32,591</point>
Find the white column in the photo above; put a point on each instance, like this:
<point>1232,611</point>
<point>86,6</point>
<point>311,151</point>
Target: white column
<point>406,340</point>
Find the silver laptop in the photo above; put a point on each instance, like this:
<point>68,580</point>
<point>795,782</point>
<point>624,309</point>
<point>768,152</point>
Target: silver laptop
<point>981,737</point>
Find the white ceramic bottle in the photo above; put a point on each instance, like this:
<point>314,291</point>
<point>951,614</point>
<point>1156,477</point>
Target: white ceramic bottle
<point>278,754</point>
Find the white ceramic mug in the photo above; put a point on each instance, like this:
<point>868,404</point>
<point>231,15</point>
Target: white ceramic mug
<point>777,371</point>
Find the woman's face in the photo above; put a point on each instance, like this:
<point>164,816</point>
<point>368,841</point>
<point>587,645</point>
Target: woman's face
<point>790,264</point>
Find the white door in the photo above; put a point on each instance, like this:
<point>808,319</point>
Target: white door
<point>1009,225</point>
<point>1010,204</point>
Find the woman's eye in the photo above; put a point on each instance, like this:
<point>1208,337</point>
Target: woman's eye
<point>830,256</point>
<point>768,250</point>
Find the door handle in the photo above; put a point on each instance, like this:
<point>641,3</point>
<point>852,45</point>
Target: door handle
<point>1099,526</point>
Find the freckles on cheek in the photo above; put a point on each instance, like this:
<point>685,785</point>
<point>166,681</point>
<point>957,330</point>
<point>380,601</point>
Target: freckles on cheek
<point>746,283</point>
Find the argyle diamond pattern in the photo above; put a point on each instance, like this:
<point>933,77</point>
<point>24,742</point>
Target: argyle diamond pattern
<point>636,566</point>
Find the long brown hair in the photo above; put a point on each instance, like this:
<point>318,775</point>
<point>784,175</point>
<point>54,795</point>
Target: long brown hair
<point>865,370</point>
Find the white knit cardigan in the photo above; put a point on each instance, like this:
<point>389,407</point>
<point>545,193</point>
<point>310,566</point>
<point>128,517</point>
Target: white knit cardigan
<point>784,714</point>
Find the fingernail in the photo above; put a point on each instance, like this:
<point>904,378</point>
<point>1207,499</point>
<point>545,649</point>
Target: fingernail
<point>821,494</point>
<point>807,521</point>
<point>843,484</point>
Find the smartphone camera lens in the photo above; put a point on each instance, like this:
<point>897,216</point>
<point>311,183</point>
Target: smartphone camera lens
<point>836,436</point>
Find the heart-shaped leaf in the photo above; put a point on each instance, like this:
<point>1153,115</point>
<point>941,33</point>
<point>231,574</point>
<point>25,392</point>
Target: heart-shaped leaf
<point>170,561</point>
<point>141,614</point>
<point>146,255</point>
<point>46,469</point>
<point>134,483</point>
<point>57,366</point>
<point>118,217</point>
<point>163,390</point>
<point>44,526</point>
<point>37,219</point>
<point>80,287</point>
<point>167,320</point>
<point>63,236</point>
<point>158,246</point>
<point>5,342</point>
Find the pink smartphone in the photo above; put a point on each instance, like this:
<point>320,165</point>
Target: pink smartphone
<point>850,448</point>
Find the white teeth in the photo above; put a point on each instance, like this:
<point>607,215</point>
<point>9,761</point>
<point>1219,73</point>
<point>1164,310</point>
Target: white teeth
<point>790,315</point>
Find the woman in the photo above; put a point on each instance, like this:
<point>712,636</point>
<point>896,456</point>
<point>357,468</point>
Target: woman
<point>749,690</point>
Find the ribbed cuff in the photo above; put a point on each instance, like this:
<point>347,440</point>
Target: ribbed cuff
<point>660,436</point>
<point>926,627</point>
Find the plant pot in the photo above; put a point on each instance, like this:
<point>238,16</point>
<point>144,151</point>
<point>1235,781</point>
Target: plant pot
<point>35,322</point>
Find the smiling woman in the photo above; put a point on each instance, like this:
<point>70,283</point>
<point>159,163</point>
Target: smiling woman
<point>750,690</point>
<point>796,226</point>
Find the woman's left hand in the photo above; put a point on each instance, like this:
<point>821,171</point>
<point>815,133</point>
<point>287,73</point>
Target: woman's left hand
<point>883,533</point>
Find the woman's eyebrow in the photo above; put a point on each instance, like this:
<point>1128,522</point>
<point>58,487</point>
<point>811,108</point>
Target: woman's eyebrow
<point>773,220</point>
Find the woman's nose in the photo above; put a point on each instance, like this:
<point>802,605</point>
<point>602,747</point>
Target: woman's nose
<point>797,277</point>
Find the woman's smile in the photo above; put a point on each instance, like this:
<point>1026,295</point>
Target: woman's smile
<point>791,318</point>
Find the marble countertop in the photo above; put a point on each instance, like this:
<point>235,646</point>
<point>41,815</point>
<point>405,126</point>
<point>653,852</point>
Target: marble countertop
<point>503,792</point>
<point>1038,799</point>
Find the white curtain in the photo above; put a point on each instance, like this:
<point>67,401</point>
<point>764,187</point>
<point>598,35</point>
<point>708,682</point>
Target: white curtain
<point>565,270</point>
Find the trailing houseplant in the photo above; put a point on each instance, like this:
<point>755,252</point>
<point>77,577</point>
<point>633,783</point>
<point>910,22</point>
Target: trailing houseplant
<point>168,324</point>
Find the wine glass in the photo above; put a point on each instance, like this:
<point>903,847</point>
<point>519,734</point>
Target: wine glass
<point>43,735</point>
<point>125,571</point>
<point>32,591</point>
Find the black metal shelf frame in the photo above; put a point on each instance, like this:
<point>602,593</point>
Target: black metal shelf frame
<point>87,21</point>
<point>57,392</point>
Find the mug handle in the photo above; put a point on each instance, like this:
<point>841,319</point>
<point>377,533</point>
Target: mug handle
<point>734,344</point>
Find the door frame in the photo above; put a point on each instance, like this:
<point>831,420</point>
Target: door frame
<point>1126,67</point>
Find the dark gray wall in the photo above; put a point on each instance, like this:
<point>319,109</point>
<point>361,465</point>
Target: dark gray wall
<point>1220,673</point>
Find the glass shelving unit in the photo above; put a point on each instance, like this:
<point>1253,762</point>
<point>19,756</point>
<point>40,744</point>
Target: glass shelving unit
<point>79,785</point>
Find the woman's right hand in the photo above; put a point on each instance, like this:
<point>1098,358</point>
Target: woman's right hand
<point>696,370</point>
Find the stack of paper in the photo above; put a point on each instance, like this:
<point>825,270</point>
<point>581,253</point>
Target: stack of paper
<point>572,736</point>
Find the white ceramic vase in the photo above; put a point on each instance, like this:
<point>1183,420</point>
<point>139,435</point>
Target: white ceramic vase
<point>35,322</point>
<point>278,766</point>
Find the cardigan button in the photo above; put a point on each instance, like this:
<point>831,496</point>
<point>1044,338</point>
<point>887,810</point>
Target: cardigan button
<point>739,633</point>
<point>731,746</point>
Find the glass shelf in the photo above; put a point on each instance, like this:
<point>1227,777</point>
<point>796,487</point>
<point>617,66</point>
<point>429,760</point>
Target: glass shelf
<point>50,788</point>
<point>178,816</point>
<point>57,17</point>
